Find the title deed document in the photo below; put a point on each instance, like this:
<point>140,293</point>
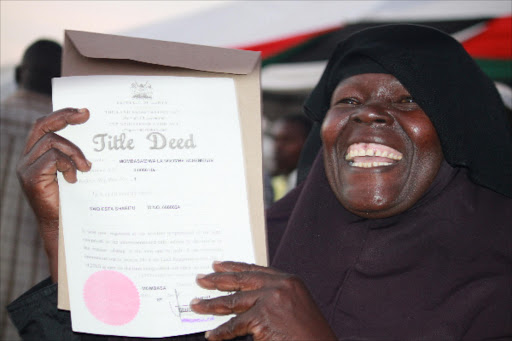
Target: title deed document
<point>166,196</point>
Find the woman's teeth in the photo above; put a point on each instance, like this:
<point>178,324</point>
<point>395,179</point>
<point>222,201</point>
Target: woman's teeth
<point>370,152</point>
<point>370,164</point>
<point>369,155</point>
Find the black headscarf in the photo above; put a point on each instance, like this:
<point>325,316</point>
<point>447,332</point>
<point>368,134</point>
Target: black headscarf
<point>460,100</point>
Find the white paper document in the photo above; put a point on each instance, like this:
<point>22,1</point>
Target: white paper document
<point>166,196</point>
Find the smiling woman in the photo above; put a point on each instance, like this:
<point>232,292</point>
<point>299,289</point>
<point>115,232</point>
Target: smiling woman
<point>420,246</point>
<point>400,231</point>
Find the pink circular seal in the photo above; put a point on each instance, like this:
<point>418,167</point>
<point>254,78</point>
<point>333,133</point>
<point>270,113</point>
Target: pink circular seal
<point>111,297</point>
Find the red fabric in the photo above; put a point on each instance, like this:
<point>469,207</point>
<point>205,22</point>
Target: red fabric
<point>272,48</point>
<point>494,43</point>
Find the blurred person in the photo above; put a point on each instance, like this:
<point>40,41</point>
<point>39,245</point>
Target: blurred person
<point>267,154</point>
<point>289,133</point>
<point>22,259</point>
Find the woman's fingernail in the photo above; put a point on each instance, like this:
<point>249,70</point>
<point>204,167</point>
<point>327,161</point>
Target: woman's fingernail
<point>83,110</point>
<point>215,262</point>
<point>207,334</point>
<point>194,301</point>
<point>89,163</point>
<point>199,276</point>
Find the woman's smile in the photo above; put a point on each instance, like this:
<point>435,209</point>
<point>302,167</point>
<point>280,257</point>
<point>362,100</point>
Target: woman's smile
<point>371,155</point>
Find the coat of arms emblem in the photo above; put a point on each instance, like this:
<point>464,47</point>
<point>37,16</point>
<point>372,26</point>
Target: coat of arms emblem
<point>142,91</point>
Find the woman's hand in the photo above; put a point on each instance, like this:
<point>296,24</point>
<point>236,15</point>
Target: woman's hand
<point>270,305</point>
<point>46,153</point>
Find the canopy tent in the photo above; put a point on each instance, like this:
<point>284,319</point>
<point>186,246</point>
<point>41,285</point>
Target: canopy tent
<point>488,40</point>
<point>297,37</point>
<point>305,31</point>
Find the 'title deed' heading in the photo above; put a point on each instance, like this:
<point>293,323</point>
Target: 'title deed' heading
<point>157,141</point>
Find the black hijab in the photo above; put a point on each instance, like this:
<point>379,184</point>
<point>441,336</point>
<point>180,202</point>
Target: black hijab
<point>460,100</point>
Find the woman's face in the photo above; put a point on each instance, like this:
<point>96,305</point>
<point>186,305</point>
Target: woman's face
<point>381,151</point>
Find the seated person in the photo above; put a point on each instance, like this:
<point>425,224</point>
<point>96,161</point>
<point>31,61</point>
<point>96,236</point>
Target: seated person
<point>401,231</point>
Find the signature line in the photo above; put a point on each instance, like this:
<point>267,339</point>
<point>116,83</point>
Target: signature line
<point>197,320</point>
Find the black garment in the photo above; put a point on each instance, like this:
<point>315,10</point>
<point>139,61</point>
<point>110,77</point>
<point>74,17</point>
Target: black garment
<point>440,271</point>
<point>460,100</point>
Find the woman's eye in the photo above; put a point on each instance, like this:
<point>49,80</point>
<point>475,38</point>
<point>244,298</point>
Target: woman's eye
<point>407,99</point>
<point>348,101</point>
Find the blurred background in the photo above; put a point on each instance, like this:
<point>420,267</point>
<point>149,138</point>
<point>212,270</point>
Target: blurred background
<point>294,36</point>
<point>23,22</point>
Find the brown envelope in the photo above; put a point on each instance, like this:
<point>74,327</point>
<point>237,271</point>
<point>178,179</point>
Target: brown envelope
<point>88,53</point>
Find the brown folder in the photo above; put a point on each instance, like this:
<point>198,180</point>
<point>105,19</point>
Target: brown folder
<point>87,53</point>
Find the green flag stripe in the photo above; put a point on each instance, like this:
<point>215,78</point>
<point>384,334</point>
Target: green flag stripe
<point>498,70</point>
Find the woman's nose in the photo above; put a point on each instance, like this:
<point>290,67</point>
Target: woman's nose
<point>373,115</point>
